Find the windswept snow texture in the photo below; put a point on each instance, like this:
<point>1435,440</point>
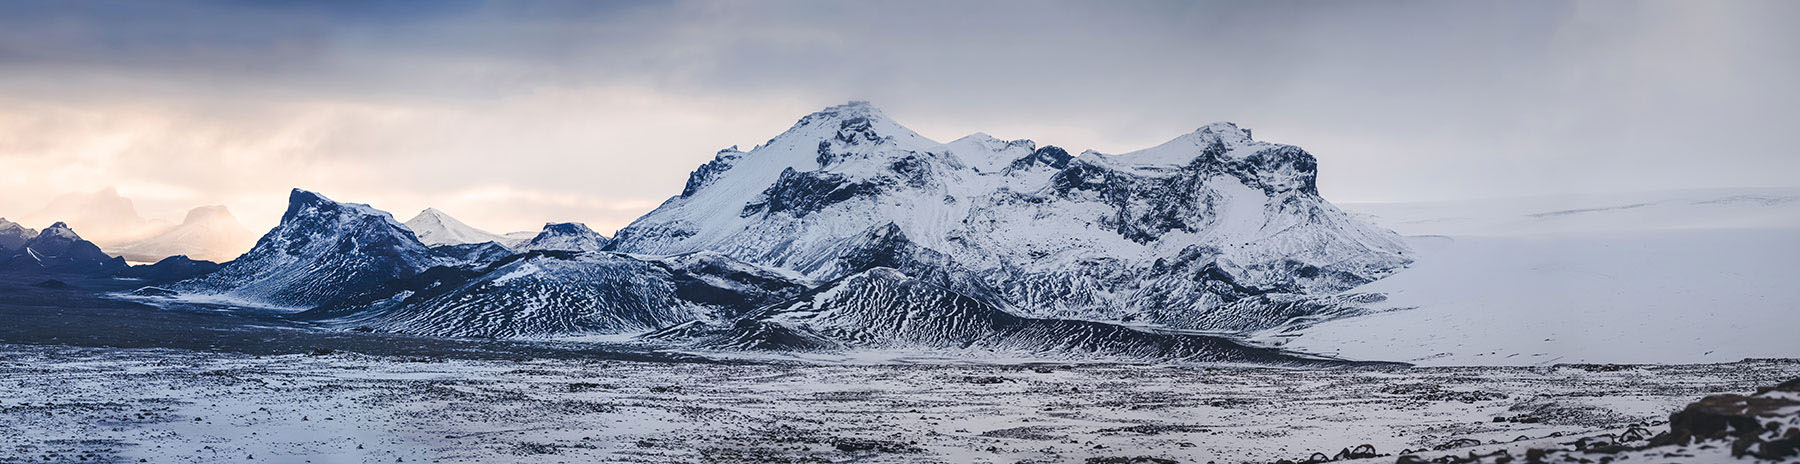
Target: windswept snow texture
<point>1162,236</point>
<point>882,309</point>
<point>1662,277</point>
<point>562,293</point>
<point>322,251</point>
<point>566,236</point>
<point>435,228</point>
<point>473,254</point>
<point>208,233</point>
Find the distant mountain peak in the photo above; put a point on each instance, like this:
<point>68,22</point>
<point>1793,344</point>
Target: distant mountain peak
<point>435,228</point>
<point>209,233</point>
<point>567,236</point>
<point>207,213</point>
<point>59,230</point>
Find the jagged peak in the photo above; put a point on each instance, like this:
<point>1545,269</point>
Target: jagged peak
<point>59,230</point>
<point>301,200</point>
<point>567,228</point>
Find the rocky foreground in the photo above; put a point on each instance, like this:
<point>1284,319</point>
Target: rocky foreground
<point>63,404</point>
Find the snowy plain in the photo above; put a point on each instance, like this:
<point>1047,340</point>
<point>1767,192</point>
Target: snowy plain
<point>1693,276</point>
<point>65,404</point>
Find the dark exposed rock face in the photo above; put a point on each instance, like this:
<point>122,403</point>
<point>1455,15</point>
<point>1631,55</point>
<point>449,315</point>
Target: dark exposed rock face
<point>1764,425</point>
<point>705,174</point>
<point>57,250</point>
<point>171,269</point>
<point>801,193</point>
<point>1049,156</point>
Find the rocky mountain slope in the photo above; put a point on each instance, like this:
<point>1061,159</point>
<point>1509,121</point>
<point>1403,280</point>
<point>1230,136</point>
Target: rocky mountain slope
<point>1163,236</point>
<point>320,252</point>
<point>565,293</point>
<point>884,309</point>
<point>208,232</point>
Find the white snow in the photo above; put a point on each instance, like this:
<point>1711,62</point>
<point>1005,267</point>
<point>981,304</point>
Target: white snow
<point>1662,277</point>
<point>435,227</point>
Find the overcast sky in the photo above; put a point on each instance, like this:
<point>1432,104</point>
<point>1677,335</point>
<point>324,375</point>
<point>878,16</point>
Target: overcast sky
<point>509,114</point>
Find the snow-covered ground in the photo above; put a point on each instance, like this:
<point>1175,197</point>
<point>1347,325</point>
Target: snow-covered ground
<point>65,404</point>
<point>1662,277</point>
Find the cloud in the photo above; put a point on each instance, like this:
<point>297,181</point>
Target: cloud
<point>510,114</point>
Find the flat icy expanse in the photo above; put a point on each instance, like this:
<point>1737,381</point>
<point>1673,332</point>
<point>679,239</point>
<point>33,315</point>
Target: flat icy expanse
<point>67,404</point>
<point>1666,277</point>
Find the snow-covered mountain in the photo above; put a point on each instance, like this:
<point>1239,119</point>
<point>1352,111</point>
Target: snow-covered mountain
<point>208,233</point>
<point>321,251</point>
<point>566,293</point>
<point>13,235</point>
<point>108,218</point>
<point>1162,236</point>
<point>566,236</point>
<point>55,250</point>
<point>434,227</point>
<point>884,309</point>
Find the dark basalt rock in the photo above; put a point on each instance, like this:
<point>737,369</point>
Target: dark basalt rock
<point>706,173</point>
<point>1051,155</point>
<point>1760,425</point>
<point>171,269</point>
<point>801,193</point>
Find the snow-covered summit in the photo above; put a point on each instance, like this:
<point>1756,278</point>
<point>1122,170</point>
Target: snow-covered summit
<point>1208,218</point>
<point>435,227</point>
<point>566,236</point>
<point>59,231</point>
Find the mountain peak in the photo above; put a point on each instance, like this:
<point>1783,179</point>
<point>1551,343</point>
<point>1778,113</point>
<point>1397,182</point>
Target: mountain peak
<point>299,199</point>
<point>208,213</point>
<point>435,227</point>
<point>59,230</point>
<point>567,236</point>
